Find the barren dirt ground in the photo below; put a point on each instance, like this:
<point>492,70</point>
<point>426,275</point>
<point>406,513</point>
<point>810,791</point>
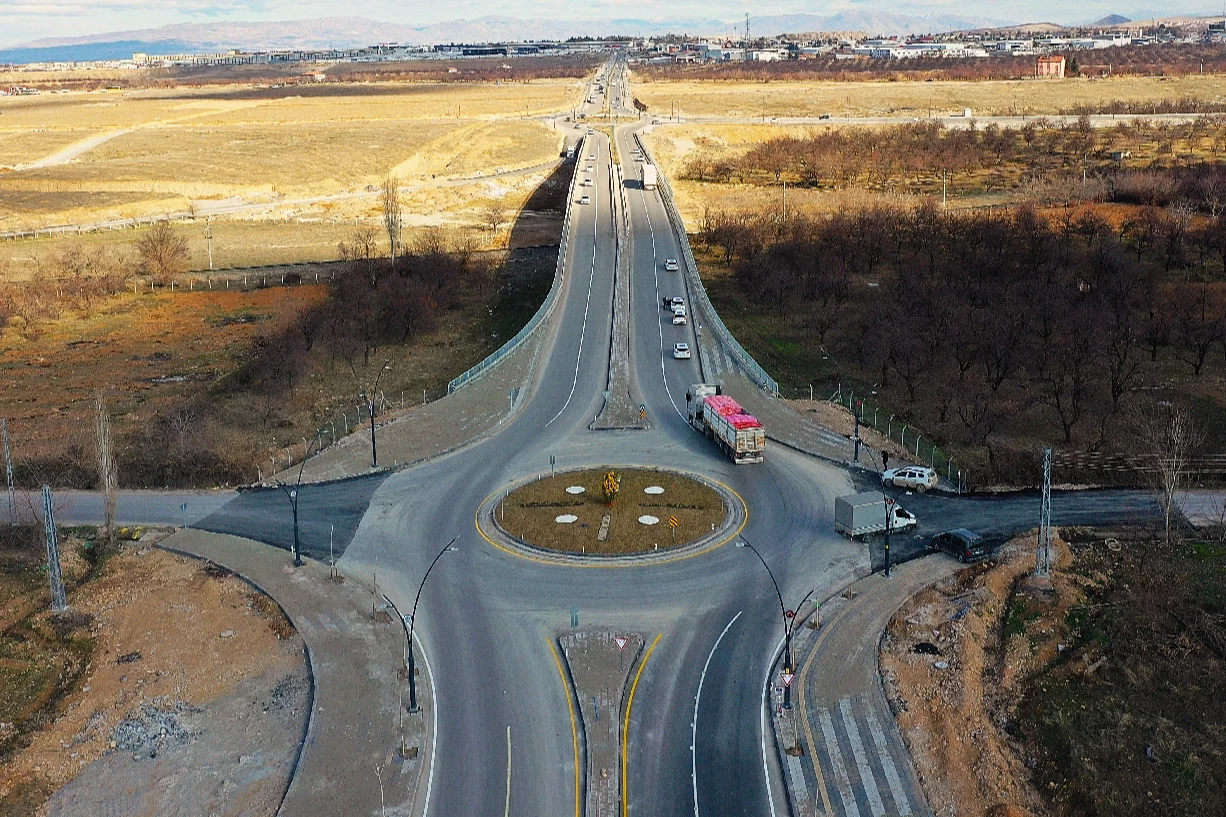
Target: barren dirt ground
<point>195,701</point>
<point>951,684</point>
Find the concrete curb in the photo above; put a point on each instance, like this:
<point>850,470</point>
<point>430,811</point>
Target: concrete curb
<point>736,512</point>
<point>310,659</point>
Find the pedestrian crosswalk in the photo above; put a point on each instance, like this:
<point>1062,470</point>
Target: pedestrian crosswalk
<point>855,770</point>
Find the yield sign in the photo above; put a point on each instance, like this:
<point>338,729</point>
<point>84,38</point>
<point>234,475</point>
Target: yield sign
<point>787,678</point>
<point>621,642</point>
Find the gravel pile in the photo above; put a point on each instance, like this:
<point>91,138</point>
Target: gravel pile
<point>153,729</point>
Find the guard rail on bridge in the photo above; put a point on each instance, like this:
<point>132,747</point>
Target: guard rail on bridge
<point>546,308</point>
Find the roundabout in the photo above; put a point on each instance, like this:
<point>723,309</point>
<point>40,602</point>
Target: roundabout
<point>612,514</point>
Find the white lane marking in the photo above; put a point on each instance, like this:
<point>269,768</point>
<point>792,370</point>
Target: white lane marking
<point>901,802</point>
<point>434,737</point>
<point>694,723</point>
<point>507,810</point>
<point>586,307</point>
<point>766,687</point>
<point>655,271</point>
<point>836,762</point>
<point>867,781</point>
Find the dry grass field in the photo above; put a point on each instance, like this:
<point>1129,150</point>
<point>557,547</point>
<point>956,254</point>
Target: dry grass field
<point>86,157</point>
<point>882,98</point>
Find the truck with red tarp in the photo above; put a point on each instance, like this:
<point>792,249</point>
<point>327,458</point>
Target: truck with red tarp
<point>724,420</point>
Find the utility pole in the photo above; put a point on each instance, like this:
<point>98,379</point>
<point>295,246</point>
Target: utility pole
<point>8,472</point>
<point>58,601</point>
<point>1043,558</point>
<point>208,235</point>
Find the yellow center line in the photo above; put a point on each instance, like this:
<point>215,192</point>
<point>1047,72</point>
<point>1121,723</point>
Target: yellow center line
<point>802,700</point>
<point>626,727</point>
<point>574,731</point>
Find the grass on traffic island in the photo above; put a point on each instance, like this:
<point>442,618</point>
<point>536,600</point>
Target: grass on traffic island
<point>530,512</point>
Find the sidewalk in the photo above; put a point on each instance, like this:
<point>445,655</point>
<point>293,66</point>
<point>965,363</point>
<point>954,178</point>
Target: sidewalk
<point>854,761</point>
<point>354,730</point>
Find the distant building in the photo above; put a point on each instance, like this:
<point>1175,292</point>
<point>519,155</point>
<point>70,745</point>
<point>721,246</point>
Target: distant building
<point>1049,67</point>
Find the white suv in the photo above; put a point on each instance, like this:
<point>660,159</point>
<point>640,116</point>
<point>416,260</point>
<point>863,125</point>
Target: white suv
<point>914,477</point>
<point>681,351</point>
<point>671,265</point>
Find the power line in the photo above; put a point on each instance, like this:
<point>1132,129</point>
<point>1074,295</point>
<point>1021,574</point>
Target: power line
<point>1042,565</point>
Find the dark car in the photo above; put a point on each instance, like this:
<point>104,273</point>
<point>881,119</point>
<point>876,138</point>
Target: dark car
<point>967,545</point>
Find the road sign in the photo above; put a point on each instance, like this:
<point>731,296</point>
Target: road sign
<point>790,614</point>
<point>621,642</point>
<point>890,502</point>
<point>642,412</point>
<point>673,521</point>
<point>787,678</point>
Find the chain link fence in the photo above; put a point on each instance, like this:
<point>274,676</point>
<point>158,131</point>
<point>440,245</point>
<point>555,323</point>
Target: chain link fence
<point>697,290</point>
<point>551,300</point>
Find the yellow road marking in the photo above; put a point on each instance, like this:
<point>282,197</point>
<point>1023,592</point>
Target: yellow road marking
<point>802,698</point>
<point>626,727</point>
<point>574,731</point>
<point>543,560</point>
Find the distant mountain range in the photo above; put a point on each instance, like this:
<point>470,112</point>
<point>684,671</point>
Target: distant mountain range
<point>350,32</point>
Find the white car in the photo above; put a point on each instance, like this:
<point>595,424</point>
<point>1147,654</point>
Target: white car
<point>671,265</point>
<point>681,351</point>
<point>591,157</point>
<point>679,319</point>
<point>914,477</point>
<point>585,200</point>
<point>587,182</point>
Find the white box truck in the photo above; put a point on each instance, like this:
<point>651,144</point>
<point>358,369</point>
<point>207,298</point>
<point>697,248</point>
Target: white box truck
<point>864,514</point>
<point>649,177</point>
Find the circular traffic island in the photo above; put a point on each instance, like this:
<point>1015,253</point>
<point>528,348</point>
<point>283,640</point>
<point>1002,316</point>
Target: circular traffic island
<point>613,512</point>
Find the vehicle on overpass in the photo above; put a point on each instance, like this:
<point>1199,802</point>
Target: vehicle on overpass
<point>867,513</point>
<point>681,351</point>
<point>585,200</point>
<point>649,176</point>
<point>722,419</point>
<point>671,265</point>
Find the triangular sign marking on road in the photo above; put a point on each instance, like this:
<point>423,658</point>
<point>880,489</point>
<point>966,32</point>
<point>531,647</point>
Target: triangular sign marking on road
<point>787,678</point>
<point>621,642</point>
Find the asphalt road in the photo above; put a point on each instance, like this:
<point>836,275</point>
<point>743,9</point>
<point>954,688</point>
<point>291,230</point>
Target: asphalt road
<point>487,616</point>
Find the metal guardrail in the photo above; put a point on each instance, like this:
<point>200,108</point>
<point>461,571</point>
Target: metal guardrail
<point>551,300</point>
<point>699,292</point>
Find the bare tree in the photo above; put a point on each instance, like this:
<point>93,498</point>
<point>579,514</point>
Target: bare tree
<point>494,214</point>
<point>108,476</point>
<point>360,247</point>
<point>162,251</point>
<point>389,202</point>
<point>1169,436</point>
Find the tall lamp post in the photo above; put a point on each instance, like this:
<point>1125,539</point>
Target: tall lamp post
<point>413,622</point>
<point>292,494</point>
<point>369,397</point>
<point>789,619</point>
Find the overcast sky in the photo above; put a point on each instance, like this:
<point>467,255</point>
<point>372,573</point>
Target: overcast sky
<point>25,20</point>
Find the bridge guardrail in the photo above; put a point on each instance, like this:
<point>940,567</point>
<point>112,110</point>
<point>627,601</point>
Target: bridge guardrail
<point>551,300</point>
<point>699,292</point>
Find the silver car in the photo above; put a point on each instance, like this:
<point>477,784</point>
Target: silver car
<point>912,477</point>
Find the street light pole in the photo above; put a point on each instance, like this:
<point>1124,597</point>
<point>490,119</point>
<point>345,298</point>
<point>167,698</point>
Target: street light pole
<point>787,629</point>
<point>293,496</point>
<point>370,406</point>
<point>413,622</point>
